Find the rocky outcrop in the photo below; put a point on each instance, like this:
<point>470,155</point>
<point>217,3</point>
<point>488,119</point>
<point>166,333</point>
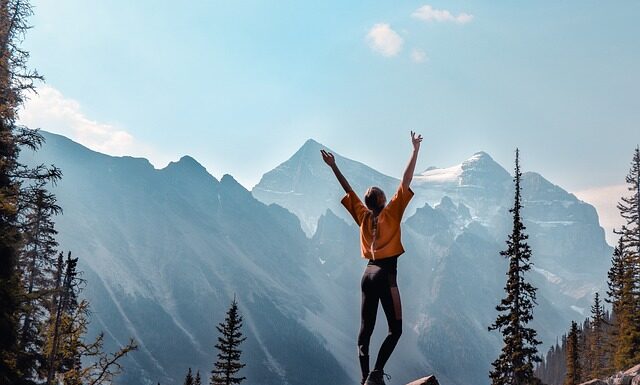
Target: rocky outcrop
<point>628,377</point>
<point>430,380</point>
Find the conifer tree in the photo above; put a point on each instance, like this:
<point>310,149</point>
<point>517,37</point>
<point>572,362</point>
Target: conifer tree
<point>614,277</point>
<point>188,380</point>
<point>515,364</point>
<point>197,381</point>
<point>16,79</point>
<point>70,358</point>
<point>228,364</point>
<point>574,370</point>
<point>624,276</point>
<point>596,337</point>
<point>37,265</point>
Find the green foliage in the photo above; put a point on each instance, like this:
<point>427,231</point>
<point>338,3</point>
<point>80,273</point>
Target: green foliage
<point>228,363</point>
<point>574,370</point>
<point>188,380</point>
<point>624,275</point>
<point>515,365</point>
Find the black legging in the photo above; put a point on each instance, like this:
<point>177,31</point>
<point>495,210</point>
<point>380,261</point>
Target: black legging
<point>379,284</point>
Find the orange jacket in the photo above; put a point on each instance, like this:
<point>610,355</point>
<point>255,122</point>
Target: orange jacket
<point>387,243</point>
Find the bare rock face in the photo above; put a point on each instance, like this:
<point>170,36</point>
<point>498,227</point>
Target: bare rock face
<point>628,377</point>
<point>595,382</point>
<point>430,380</point>
<point>633,372</point>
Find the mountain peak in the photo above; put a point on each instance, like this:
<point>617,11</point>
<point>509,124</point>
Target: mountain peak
<point>186,163</point>
<point>187,168</point>
<point>310,148</point>
<point>478,157</point>
<point>312,143</point>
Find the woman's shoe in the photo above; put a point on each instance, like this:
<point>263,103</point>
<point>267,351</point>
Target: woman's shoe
<point>376,377</point>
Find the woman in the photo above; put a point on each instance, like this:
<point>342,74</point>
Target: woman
<point>380,243</point>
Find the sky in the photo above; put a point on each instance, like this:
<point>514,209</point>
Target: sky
<point>241,85</point>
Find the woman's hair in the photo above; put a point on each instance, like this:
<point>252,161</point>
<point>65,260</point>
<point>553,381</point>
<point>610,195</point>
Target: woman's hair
<point>372,200</point>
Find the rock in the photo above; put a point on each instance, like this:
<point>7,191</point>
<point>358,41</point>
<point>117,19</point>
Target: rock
<point>633,371</point>
<point>430,380</point>
<point>595,382</point>
<point>621,379</point>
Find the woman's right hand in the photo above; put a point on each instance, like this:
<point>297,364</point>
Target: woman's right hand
<point>328,158</point>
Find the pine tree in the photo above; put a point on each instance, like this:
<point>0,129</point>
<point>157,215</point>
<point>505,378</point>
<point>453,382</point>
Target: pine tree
<point>574,370</point>
<point>614,277</point>
<point>228,363</point>
<point>64,304</point>
<point>66,348</point>
<point>188,380</point>
<point>16,79</point>
<point>596,337</point>
<point>624,275</point>
<point>37,264</point>
<point>515,364</point>
<point>197,381</point>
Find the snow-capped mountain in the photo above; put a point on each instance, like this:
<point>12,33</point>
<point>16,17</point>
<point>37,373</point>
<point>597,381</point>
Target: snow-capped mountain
<point>164,252</point>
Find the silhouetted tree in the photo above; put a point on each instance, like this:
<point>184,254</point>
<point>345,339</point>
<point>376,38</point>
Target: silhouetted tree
<point>595,337</point>
<point>574,370</point>
<point>624,275</point>
<point>15,80</point>
<point>515,364</point>
<point>37,265</point>
<point>228,363</point>
<point>188,380</point>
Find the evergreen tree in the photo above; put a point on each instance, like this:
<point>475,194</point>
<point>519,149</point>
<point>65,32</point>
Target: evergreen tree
<point>188,380</point>
<point>624,275</point>
<point>596,337</point>
<point>515,364</point>
<point>614,277</point>
<point>197,381</point>
<point>37,262</point>
<point>574,370</point>
<point>15,80</point>
<point>228,363</point>
<point>66,347</point>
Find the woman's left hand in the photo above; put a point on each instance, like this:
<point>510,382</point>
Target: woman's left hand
<point>415,140</point>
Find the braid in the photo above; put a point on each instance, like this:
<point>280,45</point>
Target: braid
<point>371,199</point>
<point>374,225</point>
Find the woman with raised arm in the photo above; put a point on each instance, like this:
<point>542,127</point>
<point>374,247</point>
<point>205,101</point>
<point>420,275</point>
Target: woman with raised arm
<point>380,243</point>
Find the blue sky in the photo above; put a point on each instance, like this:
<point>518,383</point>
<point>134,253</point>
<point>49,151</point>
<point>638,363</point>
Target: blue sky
<point>240,85</point>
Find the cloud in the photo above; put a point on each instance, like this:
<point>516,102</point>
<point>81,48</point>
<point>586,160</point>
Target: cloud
<point>384,40</point>
<point>418,55</point>
<point>605,200</point>
<point>428,13</point>
<point>51,111</point>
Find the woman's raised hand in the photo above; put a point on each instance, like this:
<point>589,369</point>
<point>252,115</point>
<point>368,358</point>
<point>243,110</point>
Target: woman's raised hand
<point>328,158</point>
<point>415,140</point>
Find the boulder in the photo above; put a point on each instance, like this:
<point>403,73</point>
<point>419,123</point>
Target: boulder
<point>633,371</point>
<point>595,382</point>
<point>430,380</point>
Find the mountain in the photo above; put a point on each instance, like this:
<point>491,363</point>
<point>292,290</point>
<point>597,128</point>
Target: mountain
<point>164,252</point>
<point>306,186</point>
<point>455,227</point>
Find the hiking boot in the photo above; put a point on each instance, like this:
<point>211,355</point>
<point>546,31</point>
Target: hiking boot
<point>376,377</point>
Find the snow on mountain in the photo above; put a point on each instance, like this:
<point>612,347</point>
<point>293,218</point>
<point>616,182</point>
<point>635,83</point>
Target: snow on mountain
<point>170,247</point>
<point>456,225</point>
<point>306,186</point>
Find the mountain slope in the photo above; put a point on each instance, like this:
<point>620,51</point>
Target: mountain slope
<point>170,248</point>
